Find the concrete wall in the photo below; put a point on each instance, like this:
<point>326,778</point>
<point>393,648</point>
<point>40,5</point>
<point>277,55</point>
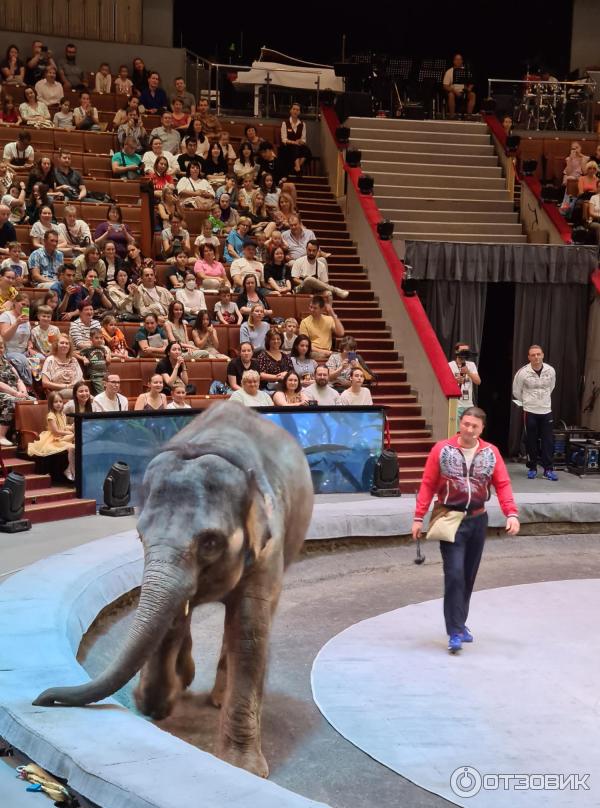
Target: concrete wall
<point>585,46</point>
<point>157,23</point>
<point>169,62</point>
<point>534,219</point>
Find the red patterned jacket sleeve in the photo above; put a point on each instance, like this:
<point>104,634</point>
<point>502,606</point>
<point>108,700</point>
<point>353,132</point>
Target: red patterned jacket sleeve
<point>430,481</point>
<point>503,487</point>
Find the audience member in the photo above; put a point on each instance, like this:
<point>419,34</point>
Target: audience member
<point>123,84</point>
<point>168,206</point>
<point>103,79</point>
<point>175,239</point>
<point>269,163</point>
<point>44,223</point>
<point>245,165</point>
<point>226,147</point>
<point>91,289</point>
<point>58,436</point>
<point>237,367</point>
<point>44,334</point>
<point>114,338</point>
<point>139,76</point>
<point>148,297</point>
<point>310,275</point>
<point>74,235</point>
<point>96,359</point>
<point>70,73</point>
<point>574,163</point>
<point>12,390</point>
<point>195,132</point>
<point>320,390</point>
<point>120,293</point>
<point>289,392</point>
<point>169,137</point>
<point>209,272</point>
<point>228,216</point>
<point>19,153</point>
<point>289,334</point>
<point>178,394</point>
<point>156,150</point>
<point>172,367</point>
<point>293,150</point>
<point>111,400</point>
<point>127,163</point>
<point>181,94</point>
<point>277,273</point>
<point>254,330</point>
<point>192,298</point>
<point>68,292</point>
<point>176,329</point>
<point>15,202</point>
<point>235,240</point>
<point>302,361</point>
<point>356,395</point>
<point>115,231</point>
<point>226,311</point>
<point>154,399</point>
<point>80,330</point>
<point>7,177</point>
<point>214,165</point>
<point>15,263</point>
<point>252,137</point>
<point>48,89</point>
<point>61,370</point>
<point>249,394</point>
<point>160,176</point>
<point>342,362</point>
<point>176,272</point>
<point>210,123</point>
<point>85,116</point>
<point>153,97</point>
<point>68,180</point>
<point>193,190</point>
<point>112,261</point>
<point>42,173</point>
<point>63,119</point>
<point>7,230</point>
<point>9,113</point>
<point>15,330</point>
<point>251,296</point>
<point>273,364</point>
<point>128,105</point>
<point>37,63</point>
<point>8,290</point>
<point>321,325</point>
<point>205,336</point>
<point>206,237</point>
<point>150,341</point>
<point>45,261</point>
<point>81,402</point>
<point>296,238</point>
<point>180,119</point>
<point>12,67</point>
<point>33,111</point>
<point>247,265</point>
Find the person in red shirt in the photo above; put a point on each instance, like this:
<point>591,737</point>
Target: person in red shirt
<point>460,470</point>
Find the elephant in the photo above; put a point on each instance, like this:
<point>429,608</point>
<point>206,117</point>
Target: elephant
<point>226,506</point>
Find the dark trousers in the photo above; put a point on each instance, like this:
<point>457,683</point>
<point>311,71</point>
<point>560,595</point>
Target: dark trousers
<point>461,560</point>
<point>538,430</point>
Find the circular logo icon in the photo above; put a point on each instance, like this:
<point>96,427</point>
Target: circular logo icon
<point>465,781</point>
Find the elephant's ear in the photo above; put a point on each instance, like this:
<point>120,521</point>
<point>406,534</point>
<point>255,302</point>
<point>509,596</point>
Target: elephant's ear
<point>259,519</point>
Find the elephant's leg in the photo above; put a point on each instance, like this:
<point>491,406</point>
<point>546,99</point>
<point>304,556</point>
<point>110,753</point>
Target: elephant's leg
<point>248,625</point>
<point>218,692</point>
<point>160,683</point>
<point>185,665</point>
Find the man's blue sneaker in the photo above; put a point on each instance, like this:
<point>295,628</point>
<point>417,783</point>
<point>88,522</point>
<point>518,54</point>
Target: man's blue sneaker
<point>454,643</point>
<point>466,635</point>
<point>549,474</point>
<point>532,474</point>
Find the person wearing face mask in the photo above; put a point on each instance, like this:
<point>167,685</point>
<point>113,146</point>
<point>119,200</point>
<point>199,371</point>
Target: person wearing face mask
<point>191,297</point>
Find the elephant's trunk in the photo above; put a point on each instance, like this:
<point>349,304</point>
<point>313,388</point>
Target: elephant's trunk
<point>166,587</point>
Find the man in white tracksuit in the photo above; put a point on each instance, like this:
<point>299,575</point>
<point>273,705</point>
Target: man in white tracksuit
<point>532,388</point>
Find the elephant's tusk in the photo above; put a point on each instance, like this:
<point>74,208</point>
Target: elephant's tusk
<point>186,608</point>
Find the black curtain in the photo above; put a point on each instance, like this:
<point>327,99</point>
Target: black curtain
<point>555,317</point>
<point>456,312</point>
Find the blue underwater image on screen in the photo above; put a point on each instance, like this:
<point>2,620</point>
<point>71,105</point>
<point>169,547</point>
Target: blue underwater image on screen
<point>341,445</point>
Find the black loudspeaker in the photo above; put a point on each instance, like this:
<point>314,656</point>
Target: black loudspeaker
<point>385,478</point>
<point>357,104</point>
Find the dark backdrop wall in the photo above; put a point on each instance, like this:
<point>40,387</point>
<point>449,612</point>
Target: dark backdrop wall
<point>498,38</point>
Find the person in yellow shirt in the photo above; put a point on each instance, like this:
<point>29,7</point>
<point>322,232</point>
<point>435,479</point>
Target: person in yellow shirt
<point>321,325</point>
<point>8,292</point>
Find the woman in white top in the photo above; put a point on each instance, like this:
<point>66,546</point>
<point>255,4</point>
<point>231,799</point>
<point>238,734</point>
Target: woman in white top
<point>249,395</point>
<point>192,187</point>
<point>86,115</point>
<point>33,111</point>
<point>356,395</point>
<point>39,228</point>
<point>190,296</point>
<point>74,235</point>
<point>49,90</point>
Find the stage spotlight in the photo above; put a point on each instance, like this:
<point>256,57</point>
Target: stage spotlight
<point>353,157</point>
<point>386,478</point>
<point>512,143</point>
<point>385,229</point>
<point>12,504</point>
<point>117,491</point>
<point>366,184</point>
<point>409,284</point>
<point>529,167</point>
<point>582,235</point>
<point>342,134</point>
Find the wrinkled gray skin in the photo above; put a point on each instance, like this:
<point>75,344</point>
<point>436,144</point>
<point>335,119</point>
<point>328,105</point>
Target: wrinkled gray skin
<point>213,529</point>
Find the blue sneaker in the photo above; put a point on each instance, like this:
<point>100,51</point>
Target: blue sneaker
<point>532,474</point>
<point>549,474</point>
<point>454,643</point>
<point>466,635</point>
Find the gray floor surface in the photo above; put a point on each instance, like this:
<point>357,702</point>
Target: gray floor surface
<point>324,594</point>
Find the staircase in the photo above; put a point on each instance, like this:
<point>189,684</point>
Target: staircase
<point>437,180</point>
<point>362,318</point>
<point>45,502</point>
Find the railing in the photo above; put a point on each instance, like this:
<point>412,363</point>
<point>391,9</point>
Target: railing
<point>548,105</point>
<point>214,71</point>
<point>412,331</point>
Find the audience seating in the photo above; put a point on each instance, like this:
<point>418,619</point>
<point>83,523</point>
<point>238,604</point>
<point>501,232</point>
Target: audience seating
<point>550,153</point>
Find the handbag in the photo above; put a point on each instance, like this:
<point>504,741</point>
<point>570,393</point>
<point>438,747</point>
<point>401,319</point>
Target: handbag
<point>444,523</point>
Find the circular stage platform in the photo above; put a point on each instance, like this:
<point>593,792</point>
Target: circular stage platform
<point>514,714</point>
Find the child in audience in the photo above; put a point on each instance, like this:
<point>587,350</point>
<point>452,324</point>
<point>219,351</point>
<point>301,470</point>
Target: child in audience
<point>228,150</point>
<point>275,240</point>
<point>63,119</point>
<point>123,84</point>
<point>205,336</point>
<point>246,194</point>
<point>178,397</point>
<point>289,335</point>
<point>16,263</point>
<point>114,337</point>
<point>44,334</point>
<point>14,199</point>
<point>98,357</point>
<point>103,82</point>
<point>226,310</point>
<point>262,253</point>
<point>206,237</point>
<point>177,272</point>
<point>58,436</point>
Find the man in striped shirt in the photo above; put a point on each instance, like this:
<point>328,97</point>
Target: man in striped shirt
<point>79,330</point>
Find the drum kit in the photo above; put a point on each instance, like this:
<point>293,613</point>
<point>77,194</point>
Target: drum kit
<point>556,105</point>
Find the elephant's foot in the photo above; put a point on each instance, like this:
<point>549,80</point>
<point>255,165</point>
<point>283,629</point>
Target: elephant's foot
<point>157,704</point>
<point>217,696</point>
<point>252,760</point>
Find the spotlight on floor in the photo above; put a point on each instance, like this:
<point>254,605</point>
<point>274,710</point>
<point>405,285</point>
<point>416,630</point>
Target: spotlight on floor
<point>409,284</point>
<point>117,491</point>
<point>353,157</point>
<point>529,167</point>
<point>342,134</point>
<point>512,143</point>
<point>386,478</point>
<point>385,229</point>
<point>366,184</point>
<point>12,504</point>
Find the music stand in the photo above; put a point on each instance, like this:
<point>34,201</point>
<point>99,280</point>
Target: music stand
<point>355,73</point>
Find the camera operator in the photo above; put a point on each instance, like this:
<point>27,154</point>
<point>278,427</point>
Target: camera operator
<point>466,375</point>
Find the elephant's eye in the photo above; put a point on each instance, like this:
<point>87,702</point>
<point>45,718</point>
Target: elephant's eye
<point>210,544</point>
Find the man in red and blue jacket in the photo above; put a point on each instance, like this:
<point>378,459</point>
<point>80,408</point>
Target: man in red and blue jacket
<point>460,471</point>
